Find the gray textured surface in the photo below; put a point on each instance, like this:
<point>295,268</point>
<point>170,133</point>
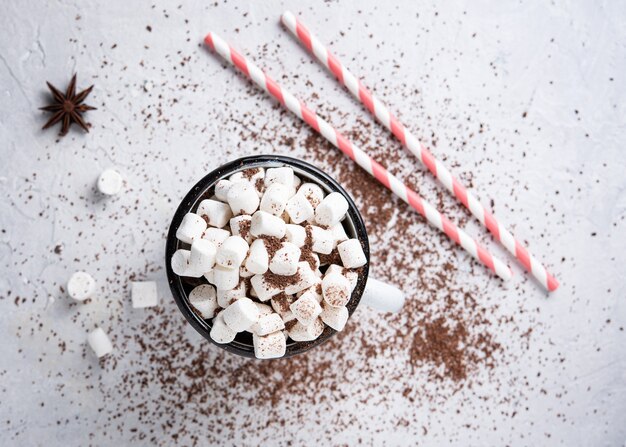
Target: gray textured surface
<point>557,171</point>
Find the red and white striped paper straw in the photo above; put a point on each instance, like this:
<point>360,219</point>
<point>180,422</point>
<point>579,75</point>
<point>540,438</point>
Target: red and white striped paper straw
<point>298,108</point>
<point>445,177</point>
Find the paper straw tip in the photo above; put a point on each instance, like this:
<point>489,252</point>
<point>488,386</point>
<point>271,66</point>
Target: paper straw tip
<point>208,39</point>
<point>553,284</point>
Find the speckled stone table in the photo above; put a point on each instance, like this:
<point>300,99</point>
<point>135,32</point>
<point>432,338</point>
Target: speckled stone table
<point>524,101</point>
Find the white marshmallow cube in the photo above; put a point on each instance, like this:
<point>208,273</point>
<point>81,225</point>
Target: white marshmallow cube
<point>232,253</point>
<point>307,279</point>
<point>144,294</point>
<point>216,213</point>
<point>350,275</point>
<point>221,190</point>
<point>220,331</point>
<point>225,278</point>
<point>266,224</point>
<point>269,346</point>
<point>275,199</point>
<point>110,182</point>
<point>335,317</point>
<point>299,209</point>
<point>192,227</point>
<point>263,289</point>
<point>300,332</point>
<point>306,309</point>
<point>216,235</point>
<point>336,289</point>
<point>242,198</point>
<point>244,272</point>
<point>202,255</point>
<point>332,209</point>
<point>285,260</point>
<point>264,310</point>
<point>269,324</point>
<point>339,234</point>
<point>351,253</point>
<point>100,343</point>
<point>281,302</point>
<point>322,240</point>
<point>284,176</point>
<point>240,226</point>
<point>81,286</point>
<point>203,299</point>
<point>209,277</point>
<point>227,297</point>
<point>314,193</point>
<point>258,258</point>
<point>296,234</point>
<point>241,314</point>
<point>180,264</point>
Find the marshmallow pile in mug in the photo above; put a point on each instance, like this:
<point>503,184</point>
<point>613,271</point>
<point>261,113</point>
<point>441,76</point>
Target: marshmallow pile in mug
<point>258,243</point>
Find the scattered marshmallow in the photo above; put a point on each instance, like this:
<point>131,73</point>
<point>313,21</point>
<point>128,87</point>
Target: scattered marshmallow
<point>314,193</point>
<point>322,240</point>
<point>232,253</point>
<point>351,253</point>
<point>242,198</point>
<point>331,210</point>
<point>300,332</point>
<point>144,294</point>
<point>225,278</point>
<point>100,343</point>
<point>270,346</point>
<point>335,317</point>
<point>221,190</point>
<point>336,289</point>
<point>299,209</point>
<point>216,213</point>
<point>284,176</point>
<point>202,255</point>
<point>285,260</point>
<point>296,234</point>
<point>192,227</point>
<point>275,199</point>
<point>203,298</point>
<point>266,224</point>
<point>180,264</point>
<point>216,235</point>
<point>227,297</point>
<point>81,286</point>
<point>110,182</point>
<point>220,332</point>
<point>269,323</point>
<point>258,258</point>
<point>240,226</point>
<point>241,314</point>
<point>306,309</point>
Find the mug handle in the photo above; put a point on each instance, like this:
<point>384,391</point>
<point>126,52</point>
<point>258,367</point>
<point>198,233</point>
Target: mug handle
<point>382,296</point>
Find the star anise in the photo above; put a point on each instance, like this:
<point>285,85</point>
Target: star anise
<point>67,108</point>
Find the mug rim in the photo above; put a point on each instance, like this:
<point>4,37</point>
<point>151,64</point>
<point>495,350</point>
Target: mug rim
<point>201,190</point>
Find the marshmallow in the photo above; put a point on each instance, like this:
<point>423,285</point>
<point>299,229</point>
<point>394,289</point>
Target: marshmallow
<point>110,182</point>
<point>264,310</point>
<point>144,294</point>
<point>269,346</point>
<point>204,300</point>
<point>241,314</point>
<point>285,260</point>
<point>209,277</point>
<point>81,286</point>
<point>244,272</point>
<point>232,253</point>
<point>296,182</point>
<point>220,332</point>
<point>190,228</point>
<point>300,332</point>
<point>225,278</point>
<point>266,224</point>
<point>250,175</point>
<point>284,176</point>
<point>335,317</point>
<point>242,198</point>
<point>306,309</point>
<point>336,289</point>
<point>216,213</point>
<point>322,240</point>
<point>339,234</point>
<point>240,226</point>
<point>226,297</point>
<point>281,302</point>
<point>215,235</point>
<point>312,292</point>
<point>221,190</point>
<point>351,253</point>
<point>275,199</point>
<point>296,234</point>
<point>258,259</point>
<point>351,276</point>
<point>314,193</point>
<point>269,324</point>
<point>180,264</point>
<point>332,209</point>
<point>263,289</point>
<point>307,278</point>
<point>202,255</point>
<point>299,209</point>
<point>99,342</point>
